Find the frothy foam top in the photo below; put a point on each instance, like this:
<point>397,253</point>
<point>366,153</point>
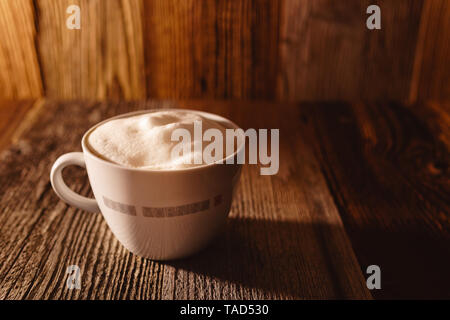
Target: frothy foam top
<point>144,140</point>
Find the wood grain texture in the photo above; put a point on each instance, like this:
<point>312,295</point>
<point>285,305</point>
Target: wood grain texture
<point>387,167</point>
<point>284,238</point>
<point>327,52</point>
<point>265,49</point>
<point>20,72</point>
<point>14,116</point>
<point>220,49</point>
<point>104,59</point>
<point>431,77</point>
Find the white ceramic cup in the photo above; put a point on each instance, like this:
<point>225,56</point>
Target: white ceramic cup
<point>157,214</point>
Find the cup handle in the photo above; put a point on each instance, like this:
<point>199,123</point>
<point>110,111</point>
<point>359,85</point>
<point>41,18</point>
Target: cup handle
<point>60,187</point>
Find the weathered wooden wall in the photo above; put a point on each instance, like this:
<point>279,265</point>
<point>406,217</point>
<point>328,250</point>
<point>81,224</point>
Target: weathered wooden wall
<point>262,49</point>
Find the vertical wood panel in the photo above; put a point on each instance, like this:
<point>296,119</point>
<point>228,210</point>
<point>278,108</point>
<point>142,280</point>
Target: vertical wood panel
<point>280,49</point>
<point>104,59</point>
<point>19,66</point>
<point>389,53</point>
<point>221,49</point>
<point>328,53</point>
<point>431,77</point>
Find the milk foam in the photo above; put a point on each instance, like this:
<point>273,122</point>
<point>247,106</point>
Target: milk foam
<point>144,141</point>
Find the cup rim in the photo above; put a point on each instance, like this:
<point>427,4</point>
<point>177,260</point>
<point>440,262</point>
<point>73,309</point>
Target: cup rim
<point>87,151</point>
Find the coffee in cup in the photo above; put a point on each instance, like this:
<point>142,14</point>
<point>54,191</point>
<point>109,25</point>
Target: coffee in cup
<point>158,205</point>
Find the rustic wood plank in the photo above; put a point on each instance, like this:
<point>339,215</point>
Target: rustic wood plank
<point>327,53</point>
<point>104,59</point>
<point>431,76</point>
<point>219,49</point>
<point>47,235</point>
<point>284,238</point>
<point>387,167</point>
<point>14,117</point>
<point>19,64</point>
<point>286,224</point>
<point>277,50</point>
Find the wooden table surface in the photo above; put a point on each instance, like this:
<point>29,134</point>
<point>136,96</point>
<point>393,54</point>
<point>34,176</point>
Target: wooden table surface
<point>359,184</point>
